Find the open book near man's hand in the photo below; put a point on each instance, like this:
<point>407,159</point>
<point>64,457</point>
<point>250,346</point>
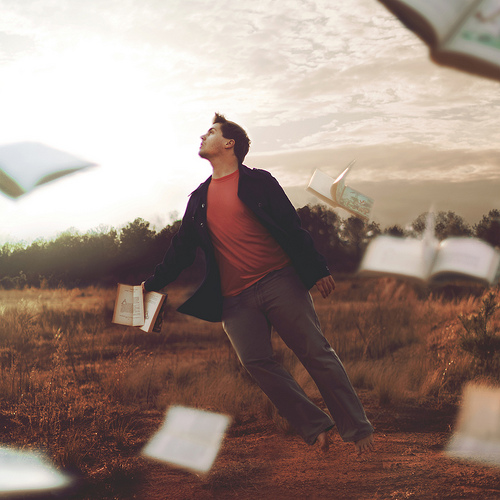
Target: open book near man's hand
<point>135,308</point>
<point>338,195</point>
<point>464,34</point>
<point>26,165</point>
<point>427,259</point>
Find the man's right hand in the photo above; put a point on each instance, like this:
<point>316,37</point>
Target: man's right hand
<point>325,286</point>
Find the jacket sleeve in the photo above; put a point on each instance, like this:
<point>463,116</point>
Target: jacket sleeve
<point>180,254</point>
<point>295,240</point>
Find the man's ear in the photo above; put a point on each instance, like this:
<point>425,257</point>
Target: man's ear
<point>229,143</point>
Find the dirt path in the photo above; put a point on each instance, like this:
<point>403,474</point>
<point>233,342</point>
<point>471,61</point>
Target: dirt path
<point>257,462</point>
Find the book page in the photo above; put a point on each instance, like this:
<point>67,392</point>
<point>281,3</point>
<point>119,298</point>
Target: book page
<point>189,438</point>
<point>320,185</point>
<point>129,305</point>
<point>404,257</point>
<point>152,306</point>
<point>30,164</point>
<point>23,471</point>
<point>477,434</point>
<point>469,257</point>
<point>479,36</point>
<point>338,186</point>
<point>442,15</point>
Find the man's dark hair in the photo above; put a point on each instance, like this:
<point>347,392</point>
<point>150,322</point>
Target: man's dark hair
<point>231,130</point>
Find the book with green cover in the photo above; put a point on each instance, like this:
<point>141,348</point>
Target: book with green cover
<point>463,34</point>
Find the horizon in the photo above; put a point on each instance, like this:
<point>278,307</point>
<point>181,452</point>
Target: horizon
<point>106,228</point>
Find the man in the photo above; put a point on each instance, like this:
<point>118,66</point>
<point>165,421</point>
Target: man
<point>260,265</point>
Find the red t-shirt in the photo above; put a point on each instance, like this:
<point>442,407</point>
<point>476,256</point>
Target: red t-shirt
<point>244,249</point>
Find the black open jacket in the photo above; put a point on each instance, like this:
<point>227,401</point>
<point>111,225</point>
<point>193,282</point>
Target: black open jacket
<point>260,192</point>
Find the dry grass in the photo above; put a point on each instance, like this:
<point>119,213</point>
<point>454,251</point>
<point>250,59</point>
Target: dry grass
<point>76,384</point>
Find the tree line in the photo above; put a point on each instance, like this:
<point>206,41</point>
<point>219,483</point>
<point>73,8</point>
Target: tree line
<point>106,256</point>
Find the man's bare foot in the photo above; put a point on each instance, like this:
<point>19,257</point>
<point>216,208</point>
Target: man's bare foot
<point>323,442</point>
<point>365,444</point>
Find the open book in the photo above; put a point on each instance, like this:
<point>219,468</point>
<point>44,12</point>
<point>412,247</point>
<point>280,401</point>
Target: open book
<point>26,165</point>
<point>430,260</point>
<point>25,472</point>
<point>477,434</point>
<point>189,438</point>
<point>464,34</point>
<point>135,308</point>
<point>337,194</point>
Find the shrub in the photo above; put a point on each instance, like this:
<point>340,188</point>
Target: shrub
<point>481,339</point>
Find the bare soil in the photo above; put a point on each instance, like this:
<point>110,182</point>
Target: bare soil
<point>260,461</point>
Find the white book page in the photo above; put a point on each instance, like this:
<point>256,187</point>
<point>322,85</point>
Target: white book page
<point>479,36</point>
<point>477,435</point>
<point>22,471</point>
<point>320,185</point>
<point>441,14</point>
<point>138,309</point>
<point>397,256</point>
<point>129,306</point>
<point>338,186</point>
<point>189,438</point>
<point>470,448</point>
<point>152,302</point>
<point>467,256</point>
<point>183,451</point>
<point>29,163</point>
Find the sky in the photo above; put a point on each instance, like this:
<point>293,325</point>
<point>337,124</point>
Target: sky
<point>132,84</point>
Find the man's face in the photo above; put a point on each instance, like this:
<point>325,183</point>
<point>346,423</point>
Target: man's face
<point>213,142</point>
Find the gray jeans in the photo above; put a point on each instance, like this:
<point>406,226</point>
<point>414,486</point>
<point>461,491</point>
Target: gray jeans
<point>281,300</point>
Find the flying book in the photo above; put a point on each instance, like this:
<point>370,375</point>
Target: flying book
<point>428,260</point>
<point>477,434</point>
<point>189,438</point>
<point>335,193</point>
<point>24,472</point>
<point>135,308</point>
<point>27,165</point>
<point>463,34</point>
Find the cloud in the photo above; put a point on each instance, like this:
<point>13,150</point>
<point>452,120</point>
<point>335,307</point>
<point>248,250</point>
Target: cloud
<point>13,46</point>
<point>315,83</point>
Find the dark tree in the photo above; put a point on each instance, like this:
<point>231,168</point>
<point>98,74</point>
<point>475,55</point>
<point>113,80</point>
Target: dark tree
<point>395,230</point>
<point>488,228</point>
<point>446,224</point>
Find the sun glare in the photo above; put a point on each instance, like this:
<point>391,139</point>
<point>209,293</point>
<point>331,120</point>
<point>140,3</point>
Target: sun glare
<point>93,102</point>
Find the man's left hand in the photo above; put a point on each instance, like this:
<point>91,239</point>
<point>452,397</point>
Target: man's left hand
<point>325,286</point>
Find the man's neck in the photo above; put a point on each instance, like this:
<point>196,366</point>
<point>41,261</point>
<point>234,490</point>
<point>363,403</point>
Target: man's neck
<point>221,168</point>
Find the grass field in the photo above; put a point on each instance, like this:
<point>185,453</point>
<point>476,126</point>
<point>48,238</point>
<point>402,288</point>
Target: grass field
<point>91,393</point>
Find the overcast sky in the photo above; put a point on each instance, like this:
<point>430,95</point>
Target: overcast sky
<point>132,84</point>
